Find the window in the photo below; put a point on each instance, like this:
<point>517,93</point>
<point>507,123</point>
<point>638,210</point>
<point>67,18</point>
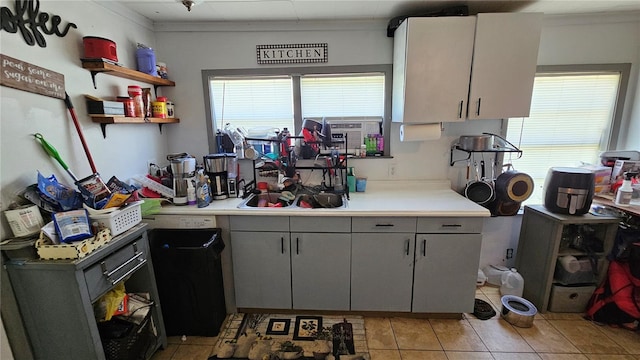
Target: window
<point>575,114</point>
<point>279,98</point>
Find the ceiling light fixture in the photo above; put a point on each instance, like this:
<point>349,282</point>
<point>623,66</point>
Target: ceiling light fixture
<point>188,4</point>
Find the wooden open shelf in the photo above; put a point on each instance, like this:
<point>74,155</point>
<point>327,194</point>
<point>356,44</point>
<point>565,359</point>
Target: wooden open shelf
<point>96,66</point>
<point>106,120</point>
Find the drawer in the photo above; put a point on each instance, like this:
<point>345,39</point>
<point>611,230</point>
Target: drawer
<point>321,224</point>
<point>384,224</point>
<point>102,276</point>
<point>571,299</point>
<point>446,225</point>
<point>259,223</point>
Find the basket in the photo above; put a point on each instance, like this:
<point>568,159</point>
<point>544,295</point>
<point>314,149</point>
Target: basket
<point>123,339</point>
<point>74,250</point>
<point>120,220</point>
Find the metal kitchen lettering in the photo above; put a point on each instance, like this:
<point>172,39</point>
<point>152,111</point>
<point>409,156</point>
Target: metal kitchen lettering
<point>21,75</point>
<point>35,22</point>
<point>292,53</point>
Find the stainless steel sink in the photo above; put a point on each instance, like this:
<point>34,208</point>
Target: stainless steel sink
<point>254,201</point>
<point>321,201</point>
<point>302,201</point>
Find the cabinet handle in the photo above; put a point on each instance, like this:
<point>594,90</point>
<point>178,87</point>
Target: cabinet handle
<point>478,108</point>
<point>385,225</point>
<point>282,244</point>
<point>136,256</point>
<point>424,247</point>
<point>407,247</point>
<point>460,109</point>
<point>297,246</point>
<point>451,225</point>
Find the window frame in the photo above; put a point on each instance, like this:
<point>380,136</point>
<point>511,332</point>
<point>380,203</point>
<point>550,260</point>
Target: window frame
<point>624,69</point>
<point>296,73</point>
<point>615,128</point>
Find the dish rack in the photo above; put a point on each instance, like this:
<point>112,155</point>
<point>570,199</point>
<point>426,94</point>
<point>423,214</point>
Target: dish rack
<point>120,220</point>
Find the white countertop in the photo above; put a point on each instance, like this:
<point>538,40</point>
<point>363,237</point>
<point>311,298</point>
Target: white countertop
<point>382,198</point>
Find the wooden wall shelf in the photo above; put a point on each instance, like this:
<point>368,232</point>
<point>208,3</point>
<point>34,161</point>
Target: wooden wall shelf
<point>106,120</point>
<point>96,66</point>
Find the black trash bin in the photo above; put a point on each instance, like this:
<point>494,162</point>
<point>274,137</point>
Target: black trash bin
<point>188,270</point>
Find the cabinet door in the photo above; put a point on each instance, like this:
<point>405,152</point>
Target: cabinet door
<point>504,65</point>
<point>431,69</point>
<point>261,269</point>
<point>381,271</point>
<point>320,270</point>
<point>446,270</point>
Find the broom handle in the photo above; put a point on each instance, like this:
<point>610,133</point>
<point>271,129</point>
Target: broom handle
<point>72,111</point>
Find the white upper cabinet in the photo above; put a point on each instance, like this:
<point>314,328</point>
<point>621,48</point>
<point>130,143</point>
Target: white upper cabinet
<point>431,69</point>
<point>471,67</point>
<point>504,65</point>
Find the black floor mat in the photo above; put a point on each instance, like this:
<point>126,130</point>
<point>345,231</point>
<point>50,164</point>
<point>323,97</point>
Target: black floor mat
<point>482,310</point>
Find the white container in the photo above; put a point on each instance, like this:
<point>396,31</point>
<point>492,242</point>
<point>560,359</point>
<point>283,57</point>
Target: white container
<point>24,221</point>
<point>512,283</point>
<point>120,220</point>
<point>494,274</point>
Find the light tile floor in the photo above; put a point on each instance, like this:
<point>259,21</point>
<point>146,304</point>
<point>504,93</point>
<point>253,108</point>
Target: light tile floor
<point>554,336</point>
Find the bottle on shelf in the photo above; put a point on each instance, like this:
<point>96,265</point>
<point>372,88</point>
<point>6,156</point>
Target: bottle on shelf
<point>625,192</point>
<point>135,92</point>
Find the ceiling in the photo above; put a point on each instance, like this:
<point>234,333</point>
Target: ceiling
<point>310,10</point>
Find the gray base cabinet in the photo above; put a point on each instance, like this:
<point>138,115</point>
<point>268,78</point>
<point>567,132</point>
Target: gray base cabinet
<point>386,264</point>
<point>262,269</point>
<point>320,271</point>
<point>446,271</point>
<point>382,271</point>
<point>56,297</point>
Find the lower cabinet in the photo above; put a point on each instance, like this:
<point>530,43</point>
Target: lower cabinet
<point>261,269</point>
<point>399,264</point>
<point>320,270</point>
<point>446,270</point>
<point>382,271</point>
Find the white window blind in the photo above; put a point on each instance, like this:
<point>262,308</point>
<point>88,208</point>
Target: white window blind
<point>342,95</point>
<point>569,124</point>
<point>251,102</point>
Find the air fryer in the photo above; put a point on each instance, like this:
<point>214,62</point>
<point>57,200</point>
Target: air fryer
<point>569,190</point>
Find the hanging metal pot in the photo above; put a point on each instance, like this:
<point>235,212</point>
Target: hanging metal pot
<point>479,190</point>
<point>482,142</point>
<point>514,186</point>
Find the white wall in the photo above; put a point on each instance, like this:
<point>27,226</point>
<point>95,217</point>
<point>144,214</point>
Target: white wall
<point>126,149</point>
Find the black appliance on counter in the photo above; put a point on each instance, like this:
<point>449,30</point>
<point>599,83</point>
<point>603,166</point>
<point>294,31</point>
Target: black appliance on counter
<point>569,190</point>
<point>188,269</point>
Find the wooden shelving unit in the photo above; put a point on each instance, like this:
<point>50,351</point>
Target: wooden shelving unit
<point>106,120</point>
<point>96,66</point>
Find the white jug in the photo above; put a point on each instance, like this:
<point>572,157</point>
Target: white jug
<point>512,283</point>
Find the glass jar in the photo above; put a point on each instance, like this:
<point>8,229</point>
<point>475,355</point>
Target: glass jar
<point>135,92</point>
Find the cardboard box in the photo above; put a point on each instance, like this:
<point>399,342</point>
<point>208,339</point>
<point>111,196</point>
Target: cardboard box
<point>105,107</point>
<point>622,166</point>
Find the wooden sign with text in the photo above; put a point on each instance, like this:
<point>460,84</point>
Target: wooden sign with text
<point>21,75</point>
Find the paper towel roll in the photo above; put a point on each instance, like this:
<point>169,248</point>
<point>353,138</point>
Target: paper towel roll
<point>420,132</point>
<point>569,263</point>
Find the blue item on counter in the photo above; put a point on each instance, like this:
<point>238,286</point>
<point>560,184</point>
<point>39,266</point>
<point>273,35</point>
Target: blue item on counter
<point>67,198</point>
<point>361,184</point>
<point>72,225</point>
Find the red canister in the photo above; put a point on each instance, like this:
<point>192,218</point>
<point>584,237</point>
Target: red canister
<point>99,48</point>
<point>135,92</point>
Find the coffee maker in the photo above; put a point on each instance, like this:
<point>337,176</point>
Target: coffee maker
<point>216,167</point>
<point>183,170</point>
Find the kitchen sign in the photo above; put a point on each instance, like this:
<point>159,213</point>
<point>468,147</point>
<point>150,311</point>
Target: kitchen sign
<point>292,53</point>
<point>21,75</point>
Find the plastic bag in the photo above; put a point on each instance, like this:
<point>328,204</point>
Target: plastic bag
<point>114,302</point>
<point>72,225</point>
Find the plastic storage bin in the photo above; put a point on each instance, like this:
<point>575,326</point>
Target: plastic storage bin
<point>583,275</point>
<point>119,221</point>
<point>188,268</point>
<point>570,298</point>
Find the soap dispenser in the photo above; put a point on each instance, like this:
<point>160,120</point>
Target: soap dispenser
<point>623,196</point>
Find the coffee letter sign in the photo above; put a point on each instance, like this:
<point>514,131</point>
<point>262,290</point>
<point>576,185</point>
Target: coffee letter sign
<point>34,22</point>
<point>21,75</point>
